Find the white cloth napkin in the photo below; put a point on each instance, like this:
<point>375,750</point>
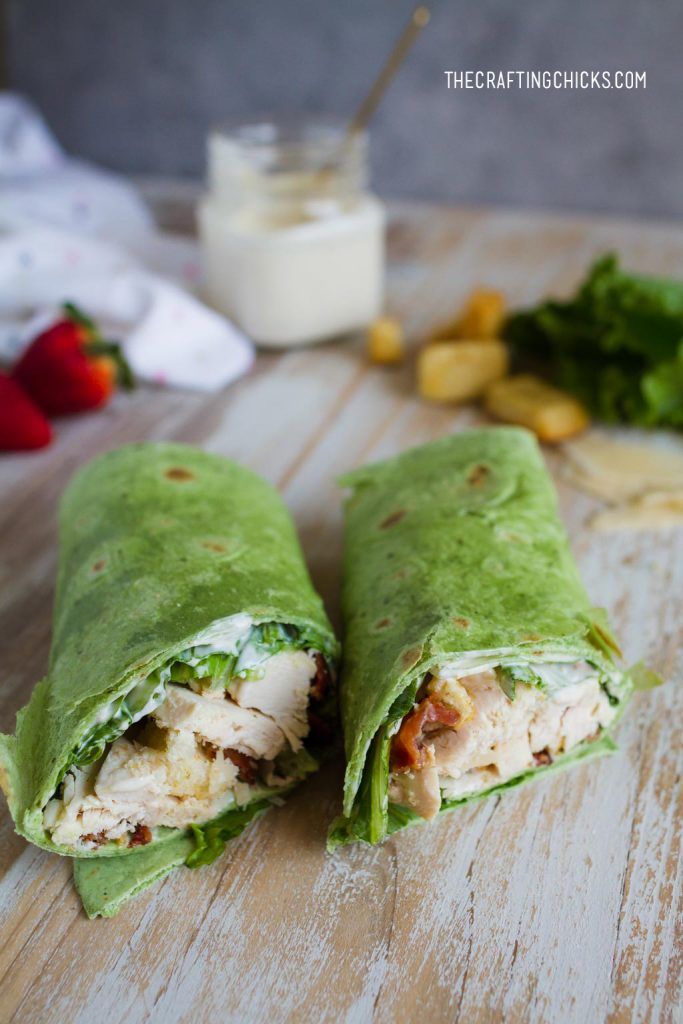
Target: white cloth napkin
<point>68,233</point>
<point>39,184</point>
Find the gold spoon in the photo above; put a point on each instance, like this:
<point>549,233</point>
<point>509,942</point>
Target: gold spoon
<point>418,20</point>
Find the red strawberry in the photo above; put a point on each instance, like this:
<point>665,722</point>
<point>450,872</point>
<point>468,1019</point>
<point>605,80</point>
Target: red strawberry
<point>70,367</point>
<point>22,424</point>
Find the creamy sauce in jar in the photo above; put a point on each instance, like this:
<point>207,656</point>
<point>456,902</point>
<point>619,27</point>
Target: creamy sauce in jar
<point>293,242</point>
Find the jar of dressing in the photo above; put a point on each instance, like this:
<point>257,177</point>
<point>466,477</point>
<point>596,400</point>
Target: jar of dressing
<point>292,240</point>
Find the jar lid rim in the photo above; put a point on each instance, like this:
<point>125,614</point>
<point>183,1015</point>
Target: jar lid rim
<point>290,131</point>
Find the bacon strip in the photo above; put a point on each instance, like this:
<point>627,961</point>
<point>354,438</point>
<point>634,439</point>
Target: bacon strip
<point>321,680</point>
<point>318,727</point>
<point>407,747</point>
<point>141,836</point>
<point>99,838</point>
<point>246,766</point>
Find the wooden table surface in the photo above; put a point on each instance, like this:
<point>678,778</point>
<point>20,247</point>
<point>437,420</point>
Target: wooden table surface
<point>559,902</point>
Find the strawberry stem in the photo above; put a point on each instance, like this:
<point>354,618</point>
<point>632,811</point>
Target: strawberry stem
<point>77,316</point>
<point>112,350</point>
<point>97,346</point>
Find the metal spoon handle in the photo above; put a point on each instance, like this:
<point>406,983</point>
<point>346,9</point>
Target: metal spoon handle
<point>418,20</point>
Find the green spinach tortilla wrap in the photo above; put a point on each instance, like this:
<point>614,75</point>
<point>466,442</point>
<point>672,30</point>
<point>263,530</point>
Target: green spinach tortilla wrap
<point>190,679</point>
<point>473,659</point>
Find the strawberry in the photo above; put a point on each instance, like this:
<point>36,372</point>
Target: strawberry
<point>70,367</point>
<point>22,424</point>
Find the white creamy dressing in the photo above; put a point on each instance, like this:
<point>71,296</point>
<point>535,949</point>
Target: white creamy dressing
<point>292,239</point>
<point>103,715</point>
<point>484,661</point>
<point>224,635</point>
<point>296,279</point>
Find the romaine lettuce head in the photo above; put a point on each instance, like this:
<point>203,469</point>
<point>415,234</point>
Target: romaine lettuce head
<point>617,344</point>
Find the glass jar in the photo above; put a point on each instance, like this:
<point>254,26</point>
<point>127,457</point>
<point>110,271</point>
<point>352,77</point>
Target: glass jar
<point>292,240</point>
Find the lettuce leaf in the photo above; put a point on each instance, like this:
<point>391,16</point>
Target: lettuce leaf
<point>507,677</point>
<point>210,839</point>
<point>368,821</point>
<point>643,678</point>
<point>617,345</point>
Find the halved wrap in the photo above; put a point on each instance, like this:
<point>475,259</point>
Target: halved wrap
<point>191,672</point>
<point>473,659</point>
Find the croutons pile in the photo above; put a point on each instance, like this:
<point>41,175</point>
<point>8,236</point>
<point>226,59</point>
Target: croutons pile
<point>466,360</point>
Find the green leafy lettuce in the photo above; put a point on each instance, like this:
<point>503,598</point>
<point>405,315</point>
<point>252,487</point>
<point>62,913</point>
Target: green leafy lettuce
<point>617,345</point>
<point>210,839</point>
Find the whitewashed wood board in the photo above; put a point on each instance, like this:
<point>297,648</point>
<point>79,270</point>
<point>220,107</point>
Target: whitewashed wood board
<point>557,903</point>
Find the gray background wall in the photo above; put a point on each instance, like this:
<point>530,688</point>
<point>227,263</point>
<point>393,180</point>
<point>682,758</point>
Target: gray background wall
<point>134,84</point>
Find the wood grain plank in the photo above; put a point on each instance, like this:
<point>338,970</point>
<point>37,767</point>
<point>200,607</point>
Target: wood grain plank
<point>560,902</point>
